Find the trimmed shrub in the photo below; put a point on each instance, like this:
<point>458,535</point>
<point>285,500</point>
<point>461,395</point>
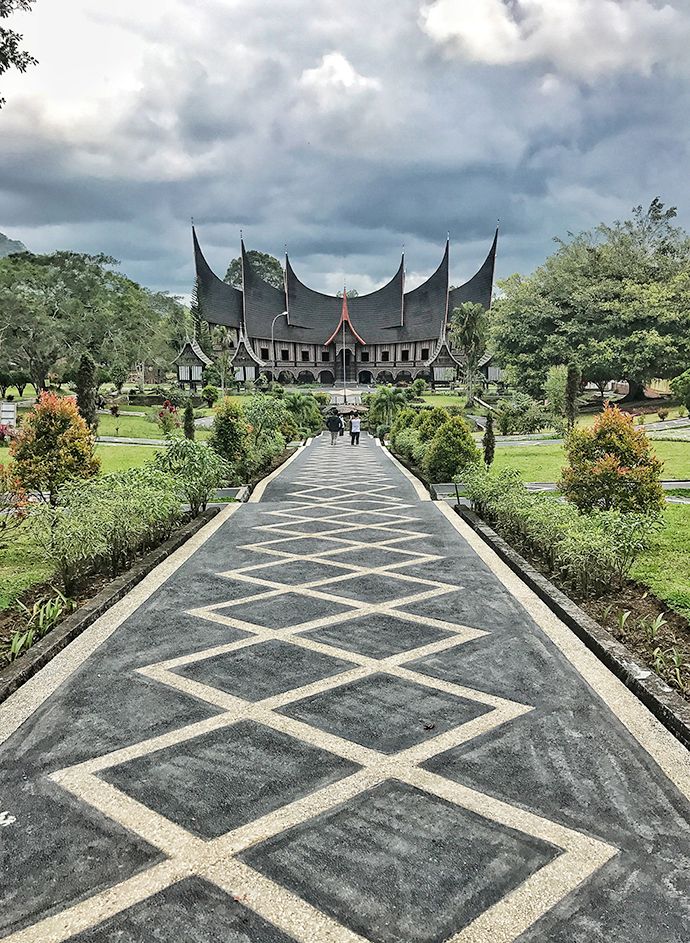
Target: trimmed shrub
<point>489,441</point>
<point>210,395</point>
<point>430,421</point>
<point>611,466</point>
<point>592,552</point>
<point>53,446</point>
<point>450,451</point>
<point>230,435</point>
<point>188,421</point>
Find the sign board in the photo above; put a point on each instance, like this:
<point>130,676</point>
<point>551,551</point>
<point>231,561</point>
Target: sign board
<point>8,414</point>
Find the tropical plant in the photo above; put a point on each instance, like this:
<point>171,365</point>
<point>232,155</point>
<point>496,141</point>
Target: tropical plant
<point>53,446</point>
<point>612,466</point>
<point>469,330</point>
<point>305,412</point>
<point>197,469</point>
<point>489,441</point>
<point>450,451</point>
<point>230,436</point>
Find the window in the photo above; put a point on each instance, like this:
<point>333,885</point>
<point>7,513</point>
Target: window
<point>385,355</point>
<point>425,353</point>
<point>285,354</point>
<point>404,355</point>
<point>264,353</point>
<point>196,373</point>
<point>305,356</point>
<point>364,356</point>
<point>185,373</point>
<point>325,356</point>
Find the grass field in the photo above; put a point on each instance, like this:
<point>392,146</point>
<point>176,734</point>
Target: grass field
<point>120,457</point>
<point>544,462</point>
<point>665,568</point>
<point>136,427</point>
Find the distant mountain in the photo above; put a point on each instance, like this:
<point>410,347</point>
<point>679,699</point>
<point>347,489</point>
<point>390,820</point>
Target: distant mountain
<point>8,246</point>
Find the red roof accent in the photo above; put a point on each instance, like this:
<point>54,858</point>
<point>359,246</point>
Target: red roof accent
<point>344,319</point>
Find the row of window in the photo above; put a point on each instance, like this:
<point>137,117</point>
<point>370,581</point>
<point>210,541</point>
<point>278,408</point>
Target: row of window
<point>363,356</point>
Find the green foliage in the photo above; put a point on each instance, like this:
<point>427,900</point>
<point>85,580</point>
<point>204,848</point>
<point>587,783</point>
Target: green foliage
<point>612,466</point>
<point>230,435</point>
<point>615,301</point>
<point>196,468</point>
<point>450,451</point>
<point>680,387</point>
<point>323,399</point>
<point>489,441</point>
<point>593,552</point>
<point>419,387</point>
<point>385,404</point>
<point>555,389</point>
<point>521,415</point>
<point>429,421</point>
<point>119,372</point>
<point>572,388</point>
<point>87,388</point>
<point>168,419</point>
<point>41,618</point>
<point>469,331</point>
<point>305,412</point>
<point>14,505</point>
<point>188,421</point>
<point>264,265</point>
<point>12,56</point>
<point>210,395</point>
<point>103,523</point>
<point>53,445</point>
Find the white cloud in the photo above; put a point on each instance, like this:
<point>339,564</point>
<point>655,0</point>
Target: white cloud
<point>335,77</point>
<point>585,39</point>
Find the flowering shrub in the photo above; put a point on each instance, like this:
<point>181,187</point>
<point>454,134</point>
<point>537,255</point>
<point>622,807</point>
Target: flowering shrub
<point>13,500</point>
<point>7,433</point>
<point>168,419</point>
<point>611,466</point>
<point>53,445</point>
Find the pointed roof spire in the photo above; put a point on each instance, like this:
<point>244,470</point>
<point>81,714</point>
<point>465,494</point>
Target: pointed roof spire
<point>344,319</point>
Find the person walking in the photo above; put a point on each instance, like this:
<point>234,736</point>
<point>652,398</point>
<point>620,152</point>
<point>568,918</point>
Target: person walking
<point>334,424</point>
<point>355,426</point>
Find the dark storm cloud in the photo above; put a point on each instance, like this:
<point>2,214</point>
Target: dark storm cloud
<point>343,130</point>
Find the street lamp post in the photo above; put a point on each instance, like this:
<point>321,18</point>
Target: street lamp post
<point>344,378</point>
<point>283,314</point>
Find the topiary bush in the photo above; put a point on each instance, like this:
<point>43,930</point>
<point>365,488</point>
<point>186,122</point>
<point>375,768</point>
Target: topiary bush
<point>450,451</point>
<point>430,421</point>
<point>612,466</point>
<point>53,446</point>
<point>210,395</point>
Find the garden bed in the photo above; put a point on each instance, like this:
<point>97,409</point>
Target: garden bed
<point>628,645</point>
<point>95,596</point>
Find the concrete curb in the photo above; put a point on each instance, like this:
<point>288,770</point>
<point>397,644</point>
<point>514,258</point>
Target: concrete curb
<point>14,675</point>
<point>667,706</point>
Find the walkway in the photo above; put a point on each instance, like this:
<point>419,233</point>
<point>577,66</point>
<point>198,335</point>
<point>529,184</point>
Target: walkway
<point>334,716</point>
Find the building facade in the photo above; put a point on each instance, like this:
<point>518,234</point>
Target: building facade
<point>296,334</point>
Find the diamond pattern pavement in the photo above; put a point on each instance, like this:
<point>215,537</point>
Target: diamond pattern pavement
<point>380,736</point>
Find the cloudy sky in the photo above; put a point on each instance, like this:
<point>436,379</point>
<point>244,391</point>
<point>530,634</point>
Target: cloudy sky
<point>343,128</point>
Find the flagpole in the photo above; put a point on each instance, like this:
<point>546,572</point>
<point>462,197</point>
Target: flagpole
<point>344,382</point>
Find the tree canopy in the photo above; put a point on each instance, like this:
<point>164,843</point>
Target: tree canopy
<point>615,301</point>
<point>12,56</point>
<point>53,308</point>
<point>265,265</point>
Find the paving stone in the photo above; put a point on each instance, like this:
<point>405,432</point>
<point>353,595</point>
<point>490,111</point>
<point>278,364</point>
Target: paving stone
<point>259,671</point>
<point>278,612</point>
<point>192,911</point>
<point>216,782</point>
<point>377,635</point>
<point>385,713</point>
<point>398,864</point>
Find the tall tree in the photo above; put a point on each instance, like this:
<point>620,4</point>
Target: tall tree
<point>265,265</point>
<point>12,56</point>
<point>468,331</point>
<point>615,301</point>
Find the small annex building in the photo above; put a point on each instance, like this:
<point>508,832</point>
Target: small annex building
<point>297,334</point>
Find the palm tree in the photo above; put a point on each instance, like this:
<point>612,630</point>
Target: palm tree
<point>469,325</point>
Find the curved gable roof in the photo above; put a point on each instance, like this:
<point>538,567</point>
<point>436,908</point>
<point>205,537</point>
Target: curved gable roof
<point>425,306</point>
<point>219,303</point>
<point>479,288</point>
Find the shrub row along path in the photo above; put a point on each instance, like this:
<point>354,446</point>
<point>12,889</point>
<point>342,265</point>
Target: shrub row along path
<point>335,716</point>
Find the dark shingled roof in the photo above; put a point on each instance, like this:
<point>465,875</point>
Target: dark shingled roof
<point>480,287</point>
<point>219,303</point>
<point>313,316</point>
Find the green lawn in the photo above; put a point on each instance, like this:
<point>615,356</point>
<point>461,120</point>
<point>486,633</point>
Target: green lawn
<point>120,457</point>
<point>544,462</point>
<point>444,399</point>
<point>20,565</point>
<point>665,568</point>
<point>674,412</point>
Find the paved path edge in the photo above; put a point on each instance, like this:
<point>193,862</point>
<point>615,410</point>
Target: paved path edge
<point>24,668</point>
<point>667,706</point>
